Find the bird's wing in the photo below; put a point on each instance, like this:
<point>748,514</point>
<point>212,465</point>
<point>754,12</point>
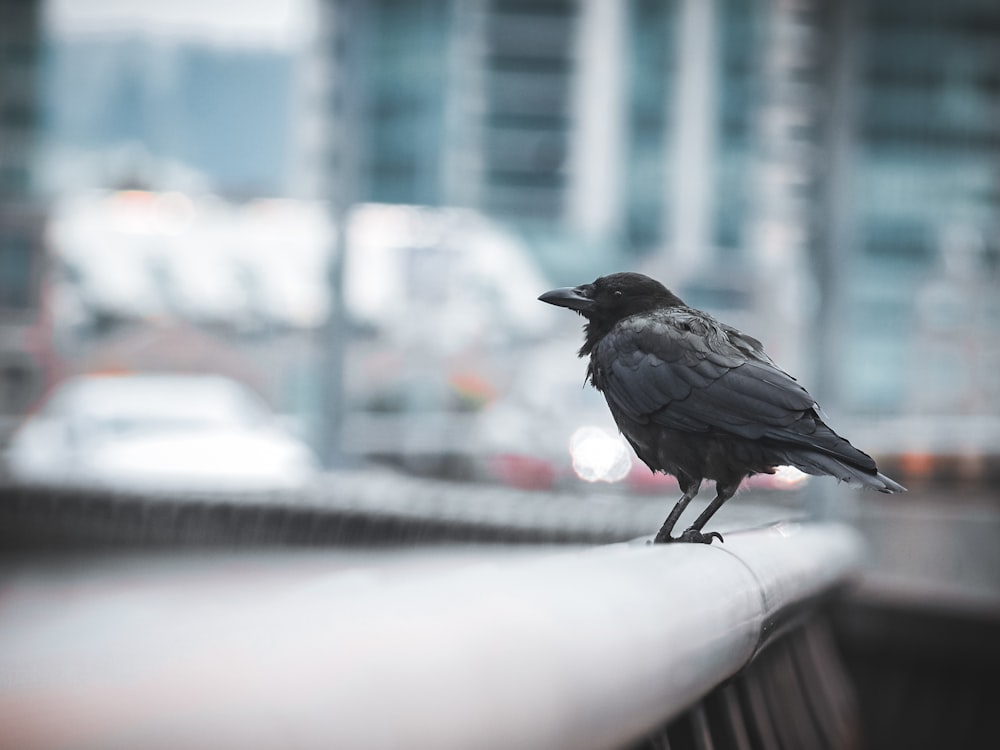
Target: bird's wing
<point>685,371</point>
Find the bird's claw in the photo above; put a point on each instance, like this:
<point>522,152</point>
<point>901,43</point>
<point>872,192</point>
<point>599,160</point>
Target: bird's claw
<point>690,535</point>
<point>693,535</point>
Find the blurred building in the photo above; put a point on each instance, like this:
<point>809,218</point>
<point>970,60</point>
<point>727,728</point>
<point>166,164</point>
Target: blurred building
<point>165,111</point>
<point>22,217</point>
<point>825,172</point>
<point>576,114</point>
<point>926,209</point>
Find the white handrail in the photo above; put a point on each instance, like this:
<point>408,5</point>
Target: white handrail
<point>481,648</point>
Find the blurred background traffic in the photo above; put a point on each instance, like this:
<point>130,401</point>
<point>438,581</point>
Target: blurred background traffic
<point>244,242</point>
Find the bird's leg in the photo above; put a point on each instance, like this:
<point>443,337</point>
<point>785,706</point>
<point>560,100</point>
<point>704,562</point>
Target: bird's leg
<point>693,533</point>
<point>690,488</point>
<point>663,535</point>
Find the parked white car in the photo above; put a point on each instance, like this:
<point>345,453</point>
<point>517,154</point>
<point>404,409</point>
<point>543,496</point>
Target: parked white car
<point>158,432</point>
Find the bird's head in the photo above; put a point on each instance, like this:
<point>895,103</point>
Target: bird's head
<point>610,299</point>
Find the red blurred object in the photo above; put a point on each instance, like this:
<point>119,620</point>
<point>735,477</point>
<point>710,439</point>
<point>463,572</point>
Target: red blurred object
<point>523,472</point>
<point>641,479</point>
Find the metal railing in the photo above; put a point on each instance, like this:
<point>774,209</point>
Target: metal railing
<point>345,508</point>
<point>623,645</point>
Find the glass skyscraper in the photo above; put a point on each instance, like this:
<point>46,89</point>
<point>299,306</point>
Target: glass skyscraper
<point>838,163</point>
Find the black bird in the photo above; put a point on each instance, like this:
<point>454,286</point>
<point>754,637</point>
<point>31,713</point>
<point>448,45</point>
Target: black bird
<point>700,400</point>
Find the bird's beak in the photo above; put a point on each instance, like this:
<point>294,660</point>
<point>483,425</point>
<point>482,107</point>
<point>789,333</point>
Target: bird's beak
<point>575,298</point>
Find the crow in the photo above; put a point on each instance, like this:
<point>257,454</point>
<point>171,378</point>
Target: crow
<point>698,399</point>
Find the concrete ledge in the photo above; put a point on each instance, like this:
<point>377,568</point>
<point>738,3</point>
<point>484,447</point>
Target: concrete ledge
<point>567,648</point>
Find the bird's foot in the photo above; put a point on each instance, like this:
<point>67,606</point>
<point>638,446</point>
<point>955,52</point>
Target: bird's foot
<point>690,535</point>
<point>663,537</point>
<point>693,535</point>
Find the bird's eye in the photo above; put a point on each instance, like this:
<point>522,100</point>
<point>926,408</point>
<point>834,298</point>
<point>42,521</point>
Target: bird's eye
<point>618,293</point>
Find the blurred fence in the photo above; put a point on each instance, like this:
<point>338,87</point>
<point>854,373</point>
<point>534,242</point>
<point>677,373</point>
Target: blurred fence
<point>345,508</point>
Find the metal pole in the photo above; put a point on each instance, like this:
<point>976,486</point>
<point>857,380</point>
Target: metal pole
<point>332,377</point>
<point>833,248</point>
<point>342,109</point>
<point>833,251</point>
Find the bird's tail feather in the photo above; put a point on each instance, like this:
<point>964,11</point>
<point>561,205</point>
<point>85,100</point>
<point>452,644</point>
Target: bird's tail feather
<point>821,464</point>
